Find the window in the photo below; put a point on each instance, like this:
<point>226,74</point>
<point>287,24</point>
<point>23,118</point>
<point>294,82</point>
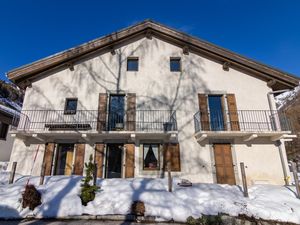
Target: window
<point>71,106</point>
<point>175,64</point>
<point>3,130</point>
<point>116,112</point>
<point>132,64</point>
<point>151,156</point>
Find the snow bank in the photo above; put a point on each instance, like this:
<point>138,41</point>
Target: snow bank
<point>60,197</point>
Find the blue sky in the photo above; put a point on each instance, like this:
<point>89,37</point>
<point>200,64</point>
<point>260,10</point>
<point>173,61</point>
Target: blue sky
<point>267,31</point>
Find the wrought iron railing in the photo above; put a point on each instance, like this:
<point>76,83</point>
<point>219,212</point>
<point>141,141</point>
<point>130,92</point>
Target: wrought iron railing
<point>241,120</point>
<point>93,120</point>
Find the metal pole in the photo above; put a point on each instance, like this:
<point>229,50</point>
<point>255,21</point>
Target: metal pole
<point>12,173</point>
<point>42,174</point>
<point>169,177</point>
<point>245,188</point>
<point>296,179</point>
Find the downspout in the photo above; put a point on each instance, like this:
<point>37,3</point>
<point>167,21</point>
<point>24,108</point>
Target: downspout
<point>279,143</point>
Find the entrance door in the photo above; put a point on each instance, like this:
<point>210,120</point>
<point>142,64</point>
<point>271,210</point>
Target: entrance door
<point>224,164</point>
<point>116,112</point>
<point>114,161</point>
<point>64,159</point>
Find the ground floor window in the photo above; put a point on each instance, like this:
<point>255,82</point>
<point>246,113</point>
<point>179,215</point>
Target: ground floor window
<point>151,156</point>
<point>64,159</point>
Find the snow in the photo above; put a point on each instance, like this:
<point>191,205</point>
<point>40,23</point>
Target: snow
<point>60,198</point>
<point>282,99</point>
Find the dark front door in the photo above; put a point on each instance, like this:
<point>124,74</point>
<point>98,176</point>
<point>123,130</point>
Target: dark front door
<point>224,164</point>
<point>114,161</point>
<point>116,112</point>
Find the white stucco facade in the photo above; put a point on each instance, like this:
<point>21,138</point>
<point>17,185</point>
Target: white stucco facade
<point>158,88</point>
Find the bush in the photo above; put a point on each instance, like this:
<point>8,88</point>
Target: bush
<point>204,220</point>
<point>88,191</point>
<point>31,197</point>
<point>138,208</point>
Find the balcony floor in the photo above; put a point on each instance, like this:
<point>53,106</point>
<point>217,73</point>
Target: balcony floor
<point>245,135</point>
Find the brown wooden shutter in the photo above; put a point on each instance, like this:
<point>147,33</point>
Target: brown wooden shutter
<point>203,109</point>
<point>129,164</point>
<point>79,159</point>
<point>172,155</point>
<point>233,113</point>
<point>99,158</point>
<point>131,111</point>
<point>102,110</point>
<point>48,158</point>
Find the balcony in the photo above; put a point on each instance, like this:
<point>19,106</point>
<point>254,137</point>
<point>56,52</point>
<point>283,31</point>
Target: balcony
<point>91,124</point>
<point>245,124</point>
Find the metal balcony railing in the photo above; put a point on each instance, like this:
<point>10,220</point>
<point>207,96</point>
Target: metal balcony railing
<point>93,120</point>
<point>241,120</point>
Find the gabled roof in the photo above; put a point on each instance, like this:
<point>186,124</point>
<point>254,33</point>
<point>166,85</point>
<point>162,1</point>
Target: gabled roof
<point>275,78</point>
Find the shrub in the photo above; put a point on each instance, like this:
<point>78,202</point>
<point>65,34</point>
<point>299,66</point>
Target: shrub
<point>88,191</point>
<point>204,220</point>
<point>138,208</point>
<point>31,197</point>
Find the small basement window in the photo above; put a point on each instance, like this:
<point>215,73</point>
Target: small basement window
<point>3,130</point>
<point>71,106</point>
<point>132,64</point>
<point>175,64</point>
<point>151,156</point>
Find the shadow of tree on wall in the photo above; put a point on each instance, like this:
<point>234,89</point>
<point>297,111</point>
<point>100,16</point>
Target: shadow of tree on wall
<point>108,75</point>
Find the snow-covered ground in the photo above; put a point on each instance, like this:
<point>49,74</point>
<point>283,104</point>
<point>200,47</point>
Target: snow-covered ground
<point>60,198</point>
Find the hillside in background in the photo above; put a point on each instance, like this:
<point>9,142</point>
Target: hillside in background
<point>10,95</point>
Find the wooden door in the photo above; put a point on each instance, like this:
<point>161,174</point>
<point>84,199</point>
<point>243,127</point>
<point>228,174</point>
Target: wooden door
<point>69,162</point>
<point>224,164</point>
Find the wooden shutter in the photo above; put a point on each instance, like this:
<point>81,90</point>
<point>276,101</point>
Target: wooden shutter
<point>131,111</point>
<point>172,155</point>
<point>79,159</point>
<point>129,164</point>
<point>102,110</point>
<point>48,158</point>
<point>203,109</point>
<point>233,113</point>
<point>99,158</point>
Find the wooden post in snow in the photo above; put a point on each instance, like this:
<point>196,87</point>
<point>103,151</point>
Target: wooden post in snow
<point>12,173</point>
<point>95,174</point>
<point>245,188</point>
<point>296,179</point>
<point>169,177</point>
<point>42,174</point>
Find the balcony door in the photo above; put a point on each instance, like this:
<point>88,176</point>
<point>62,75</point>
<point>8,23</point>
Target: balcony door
<point>216,112</point>
<point>116,112</point>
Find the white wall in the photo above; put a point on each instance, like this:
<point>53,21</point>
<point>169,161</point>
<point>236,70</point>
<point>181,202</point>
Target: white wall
<point>6,148</point>
<point>157,88</point>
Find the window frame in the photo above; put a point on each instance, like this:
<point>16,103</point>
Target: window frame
<point>180,64</point>
<point>4,127</point>
<point>133,58</point>
<point>70,112</point>
<point>158,160</point>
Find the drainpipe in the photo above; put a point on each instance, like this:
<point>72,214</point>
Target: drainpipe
<point>279,143</point>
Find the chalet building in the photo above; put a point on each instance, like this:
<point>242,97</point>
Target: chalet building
<point>148,98</point>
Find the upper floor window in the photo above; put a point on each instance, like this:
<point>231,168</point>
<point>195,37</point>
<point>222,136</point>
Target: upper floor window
<point>175,64</point>
<point>3,130</point>
<point>71,106</point>
<point>132,64</point>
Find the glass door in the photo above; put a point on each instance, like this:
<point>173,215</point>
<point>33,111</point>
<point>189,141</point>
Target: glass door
<point>116,112</point>
<point>216,112</point>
